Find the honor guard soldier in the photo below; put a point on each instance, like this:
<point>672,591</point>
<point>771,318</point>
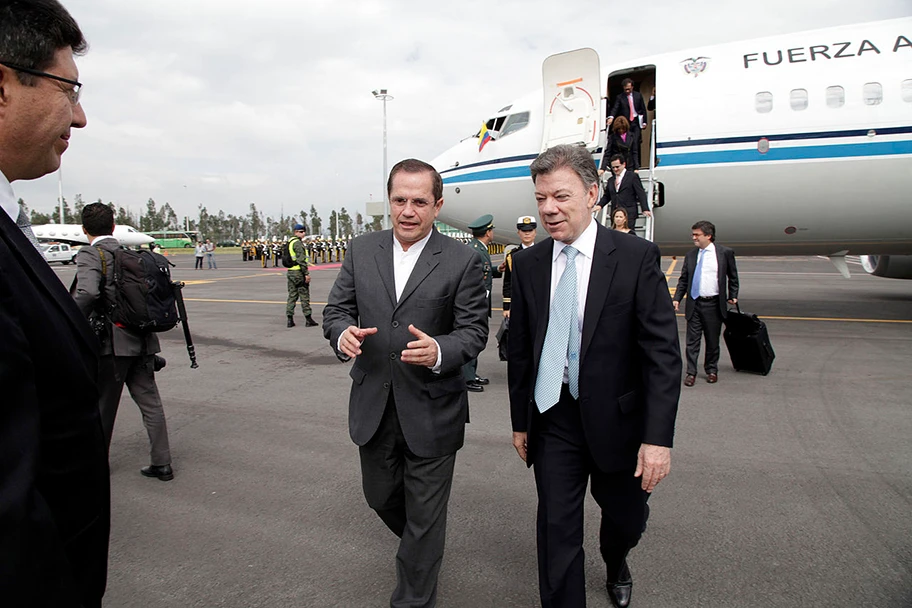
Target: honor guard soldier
<point>525,228</point>
<point>298,278</point>
<point>483,231</point>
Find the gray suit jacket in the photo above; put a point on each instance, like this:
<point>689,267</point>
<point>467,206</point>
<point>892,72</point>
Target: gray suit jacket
<point>445,298</point>
<point>87,293</point>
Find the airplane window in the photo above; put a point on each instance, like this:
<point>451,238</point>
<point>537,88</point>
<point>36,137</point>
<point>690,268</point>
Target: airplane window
<point>798,99</point>
<point>764,102</point>
<point>907,90</point>
<point>515,122</point>
<point>872,93</point>
<point>835,97</point>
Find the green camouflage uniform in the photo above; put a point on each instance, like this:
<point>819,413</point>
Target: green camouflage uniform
<point>297,285</point>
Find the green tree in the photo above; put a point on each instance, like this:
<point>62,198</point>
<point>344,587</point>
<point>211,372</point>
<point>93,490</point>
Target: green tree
<point>359,224</point>
<point>169,218</point>
<point>376,223</point>
<point>333,224</point>
<point>345,224</point>
<point>316,224</point>
<point>78,206</point>
<point>304,221</point>
<point>255,222</point>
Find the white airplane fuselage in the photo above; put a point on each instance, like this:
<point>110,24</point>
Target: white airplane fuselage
<point>825,168</point>
<point>73,234</point>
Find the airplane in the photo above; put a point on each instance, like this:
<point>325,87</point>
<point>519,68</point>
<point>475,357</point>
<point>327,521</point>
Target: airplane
<point>796,144</point>
<point>73,234</point>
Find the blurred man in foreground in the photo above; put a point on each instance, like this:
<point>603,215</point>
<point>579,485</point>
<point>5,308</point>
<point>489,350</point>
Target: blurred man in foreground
<point>54,489</point>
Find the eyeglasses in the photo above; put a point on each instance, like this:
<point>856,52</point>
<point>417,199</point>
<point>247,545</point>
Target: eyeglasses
<point>73,93</point>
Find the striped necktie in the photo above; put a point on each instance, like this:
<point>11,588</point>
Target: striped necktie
<point>561,340</point>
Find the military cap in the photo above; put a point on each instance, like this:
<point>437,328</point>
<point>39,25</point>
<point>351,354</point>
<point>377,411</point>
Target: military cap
<point>485,222</point>
<point>526,223</point>
<point>298,227</point>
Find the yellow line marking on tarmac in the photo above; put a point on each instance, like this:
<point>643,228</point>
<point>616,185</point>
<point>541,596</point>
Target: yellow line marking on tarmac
<point>671,268</point>
<point>828,319</point>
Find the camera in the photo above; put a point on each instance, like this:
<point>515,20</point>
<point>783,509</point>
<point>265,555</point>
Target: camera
<point>158,363</point>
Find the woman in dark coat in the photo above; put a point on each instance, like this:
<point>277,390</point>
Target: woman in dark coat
<point>622,141</point>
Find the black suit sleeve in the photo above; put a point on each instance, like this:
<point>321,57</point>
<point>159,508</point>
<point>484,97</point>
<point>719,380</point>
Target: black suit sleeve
<point>616,107</point>
<point>341,310</point>
<point>732,270</point>
<point>33,561</point>
<point>659,351</point>
<point>520,364</point>
<point>683,281</point>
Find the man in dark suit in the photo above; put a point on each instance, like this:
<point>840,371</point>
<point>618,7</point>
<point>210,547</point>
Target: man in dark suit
<point>126,357</point>
<point>54,488</point>
<point>594,372</point>
<point>630,105</point>
<point>624,189</point>
<point>708,274</point>
<point>409,305</point>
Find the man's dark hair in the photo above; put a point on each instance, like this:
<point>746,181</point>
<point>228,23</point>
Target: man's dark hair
<point>98,219</point>
<point>617,157</point>
<point>625,82</point>
<point>413,165</point>
<point>31,33</point>
<point>708,228</point>
<point>575,158</point>
<point>480,232</point>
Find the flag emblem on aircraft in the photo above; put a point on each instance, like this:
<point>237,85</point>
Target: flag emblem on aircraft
<point>484,136</point>
<point>695,65</point>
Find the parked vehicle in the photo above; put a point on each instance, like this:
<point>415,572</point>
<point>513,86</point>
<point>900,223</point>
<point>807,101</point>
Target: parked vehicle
<point>58,252</point>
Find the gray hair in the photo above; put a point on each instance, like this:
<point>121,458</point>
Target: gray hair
<point>576,158</point>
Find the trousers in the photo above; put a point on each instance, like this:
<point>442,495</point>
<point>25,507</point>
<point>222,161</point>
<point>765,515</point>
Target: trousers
<point>410,494</point>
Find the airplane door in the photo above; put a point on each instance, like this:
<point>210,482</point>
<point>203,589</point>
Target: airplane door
<point>571,82</point>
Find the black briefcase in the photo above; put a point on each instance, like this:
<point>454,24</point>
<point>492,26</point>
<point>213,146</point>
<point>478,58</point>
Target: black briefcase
<point>748,342</point>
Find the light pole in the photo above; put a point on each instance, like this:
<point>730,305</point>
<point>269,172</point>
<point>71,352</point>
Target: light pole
<point>382,95</point>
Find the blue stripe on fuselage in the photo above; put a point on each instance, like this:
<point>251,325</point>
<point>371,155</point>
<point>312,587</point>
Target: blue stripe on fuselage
<point>678,159</point>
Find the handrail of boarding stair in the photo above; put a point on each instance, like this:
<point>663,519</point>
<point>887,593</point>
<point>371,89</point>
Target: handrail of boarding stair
<point>650,220</point>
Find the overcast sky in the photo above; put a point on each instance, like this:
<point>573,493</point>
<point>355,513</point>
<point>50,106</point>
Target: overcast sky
<point>223,103</point>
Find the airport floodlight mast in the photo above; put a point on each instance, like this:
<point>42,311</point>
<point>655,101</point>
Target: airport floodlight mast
<point>383,96</point>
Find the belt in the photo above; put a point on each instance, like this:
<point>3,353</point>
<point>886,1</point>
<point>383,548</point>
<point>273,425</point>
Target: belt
<point>708,298</point>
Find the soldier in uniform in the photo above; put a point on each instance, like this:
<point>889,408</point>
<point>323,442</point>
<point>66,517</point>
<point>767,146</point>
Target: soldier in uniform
<point>525,228</point>
<point>483,231</point>
<point>298,279</point>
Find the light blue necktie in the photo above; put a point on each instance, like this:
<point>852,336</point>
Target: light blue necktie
<point>698,272</point>
<point>561,340</point>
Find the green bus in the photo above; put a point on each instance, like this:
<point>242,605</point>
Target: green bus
<point>175,239</point>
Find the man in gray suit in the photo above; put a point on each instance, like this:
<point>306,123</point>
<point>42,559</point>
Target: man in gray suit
<point>126,357</point>
<point>410,307</point>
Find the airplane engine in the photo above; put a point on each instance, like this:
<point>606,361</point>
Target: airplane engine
<point>888,266</point>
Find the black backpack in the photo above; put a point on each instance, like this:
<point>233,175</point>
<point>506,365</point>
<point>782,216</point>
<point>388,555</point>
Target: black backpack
<point>145,298</point>
<point>287,262</point>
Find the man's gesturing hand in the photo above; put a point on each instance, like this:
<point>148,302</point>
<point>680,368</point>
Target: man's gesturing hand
<point>352,337</point>
<point>422,351</point>
<point>653,465</point>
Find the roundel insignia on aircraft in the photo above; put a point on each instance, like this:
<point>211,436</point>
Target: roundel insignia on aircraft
<point>695,65</point>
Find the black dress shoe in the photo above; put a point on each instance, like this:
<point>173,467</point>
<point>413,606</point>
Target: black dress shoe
<point>474,387</point>
<point>689,380</point>
<point>482,381</point>
<point>163,472</point>
<point>619,591</point>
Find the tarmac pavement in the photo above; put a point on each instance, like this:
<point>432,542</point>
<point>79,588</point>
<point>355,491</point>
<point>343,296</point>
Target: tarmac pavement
<point>793,489</point>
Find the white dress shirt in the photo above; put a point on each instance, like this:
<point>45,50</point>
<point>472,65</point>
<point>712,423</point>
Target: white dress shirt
<point>8,199</point>
<point>619,178</point>
<point>709,277</point>
<point>585,244</point>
